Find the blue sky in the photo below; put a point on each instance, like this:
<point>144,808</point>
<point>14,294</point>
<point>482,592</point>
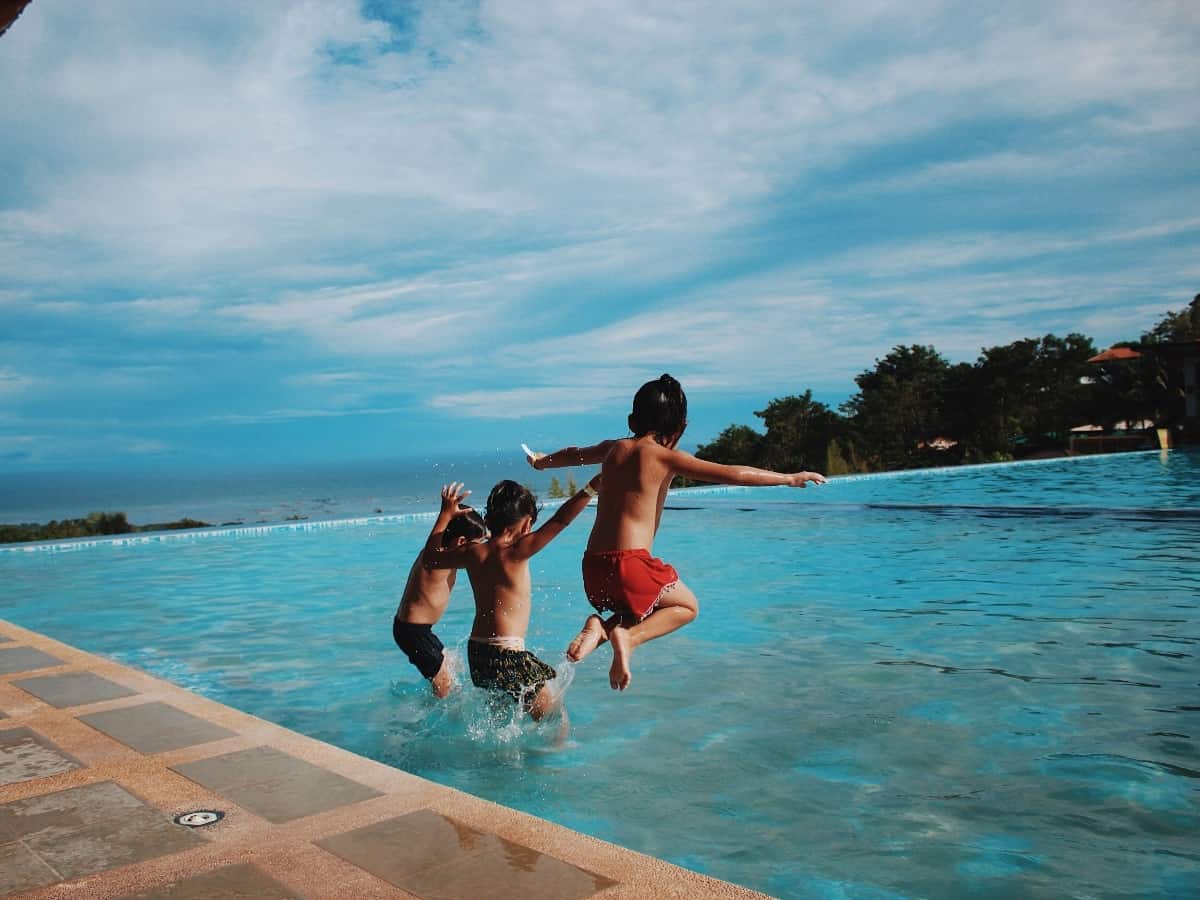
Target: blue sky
<point>235,232</point>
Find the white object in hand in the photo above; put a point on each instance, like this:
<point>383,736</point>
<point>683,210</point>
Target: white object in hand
<point>528,452</point>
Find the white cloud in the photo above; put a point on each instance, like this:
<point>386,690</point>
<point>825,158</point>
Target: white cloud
<point>972,249</point>
<point>289,415</point>
<point>568,194</point>
<point>518,403</point>
<point>605,117</point>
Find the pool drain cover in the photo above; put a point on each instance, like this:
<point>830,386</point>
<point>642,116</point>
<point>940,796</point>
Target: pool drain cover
<point>199,818</point>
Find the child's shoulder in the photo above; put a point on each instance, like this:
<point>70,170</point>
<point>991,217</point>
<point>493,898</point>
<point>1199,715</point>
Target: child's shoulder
<point>619,448</point>
<point>637,451</point>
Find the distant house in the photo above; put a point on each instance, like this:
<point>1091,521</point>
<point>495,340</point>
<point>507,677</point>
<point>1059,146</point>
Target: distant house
<point>938,443</point>
<point>1113,354</point>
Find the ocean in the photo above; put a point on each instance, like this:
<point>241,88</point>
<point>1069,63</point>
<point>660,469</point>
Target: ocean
<point>263,493</point>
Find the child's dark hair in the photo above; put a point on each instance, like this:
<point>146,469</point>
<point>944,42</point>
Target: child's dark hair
<point>659,406</point>
<point>468,525</point>
<point>507,503</point>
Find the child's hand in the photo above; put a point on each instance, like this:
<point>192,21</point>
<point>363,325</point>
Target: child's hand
<point>532,456</point>
<point>800,479</point>
<point>452,497</point>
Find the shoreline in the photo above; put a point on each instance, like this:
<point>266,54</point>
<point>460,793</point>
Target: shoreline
<point>321,523</point>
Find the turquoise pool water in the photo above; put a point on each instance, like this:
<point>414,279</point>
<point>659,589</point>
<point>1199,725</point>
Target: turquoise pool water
<point>970,682</point>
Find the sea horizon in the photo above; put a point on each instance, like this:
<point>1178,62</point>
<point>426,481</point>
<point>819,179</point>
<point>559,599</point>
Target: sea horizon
<point>257,494</point>
<point>260,492</point>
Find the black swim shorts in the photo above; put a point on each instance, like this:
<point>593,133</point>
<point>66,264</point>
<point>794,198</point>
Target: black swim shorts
<point>420,644</point>
<point>518,673</point>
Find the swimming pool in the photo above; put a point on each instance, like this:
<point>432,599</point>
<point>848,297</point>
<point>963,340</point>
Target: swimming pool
<point>970,681</point>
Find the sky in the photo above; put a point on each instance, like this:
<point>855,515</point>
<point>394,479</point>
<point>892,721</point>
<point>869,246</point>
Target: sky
<point>240,232</point>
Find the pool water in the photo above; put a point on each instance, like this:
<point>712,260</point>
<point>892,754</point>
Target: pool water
<point>936,684</point>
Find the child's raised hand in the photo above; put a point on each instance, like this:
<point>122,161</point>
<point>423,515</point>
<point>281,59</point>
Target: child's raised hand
<point>532,456</point>
<point>800,479</point>
<point>452,497</point>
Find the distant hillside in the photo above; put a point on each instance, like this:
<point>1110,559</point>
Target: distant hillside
<point>95,525</point>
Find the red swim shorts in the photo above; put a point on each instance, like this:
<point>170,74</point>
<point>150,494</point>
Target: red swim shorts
<point>626,581</point>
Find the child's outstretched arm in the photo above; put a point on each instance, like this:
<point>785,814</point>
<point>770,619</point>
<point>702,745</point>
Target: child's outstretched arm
<point>435,556</point>
<point>557,523</point>
<point>716,473</point>
<point>569,456</point>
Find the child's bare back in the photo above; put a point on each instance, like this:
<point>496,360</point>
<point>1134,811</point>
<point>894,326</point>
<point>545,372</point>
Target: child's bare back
<point>426,596</point>
<point>645,595</point>
<point>636,477</point>
<point>500,581</point>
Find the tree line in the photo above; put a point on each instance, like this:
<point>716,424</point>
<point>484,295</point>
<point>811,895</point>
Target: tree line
<point>95,525</point>
<point>1014,399</point>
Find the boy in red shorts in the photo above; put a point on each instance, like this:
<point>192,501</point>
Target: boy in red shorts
<point>644,594</point>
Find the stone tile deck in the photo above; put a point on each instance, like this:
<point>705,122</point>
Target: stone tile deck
<point>97,759</point>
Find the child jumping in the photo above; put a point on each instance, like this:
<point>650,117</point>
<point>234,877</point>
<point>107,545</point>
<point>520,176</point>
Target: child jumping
<point>644,594</point>
<point>499,573</point>
<point>427,594</point>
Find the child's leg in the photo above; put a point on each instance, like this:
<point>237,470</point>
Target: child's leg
<point>443,681</point>
<point>676,608</point>
<point>591,636</point>
<point>545,702</point>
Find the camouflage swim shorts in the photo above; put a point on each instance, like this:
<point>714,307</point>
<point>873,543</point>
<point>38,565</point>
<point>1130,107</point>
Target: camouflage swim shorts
<point>518,673</point>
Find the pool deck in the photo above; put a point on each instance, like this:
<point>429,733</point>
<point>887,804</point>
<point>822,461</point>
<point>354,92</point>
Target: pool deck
<point>97,759</point>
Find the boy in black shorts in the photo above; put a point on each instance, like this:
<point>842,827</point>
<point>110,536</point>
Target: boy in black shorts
<point>499,573</point>
<point>427,593</point>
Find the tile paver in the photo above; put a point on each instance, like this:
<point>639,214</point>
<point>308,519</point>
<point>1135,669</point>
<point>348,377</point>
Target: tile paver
<point>88,829</point>
<point>143,834</point>
<point>21,869</point>
<point>236,881</point>
<point>61,812</point>
<point>432,855</point>
<point>73,689</point>
<point>25,755</point>
<point>25,659</point>
<point>511,873</point>
<point>155,727</point>
<point>85,830</point>
<point>275,785</point>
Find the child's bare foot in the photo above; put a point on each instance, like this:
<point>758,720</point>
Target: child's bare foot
<point>587,640</point>
<point>619,675</point>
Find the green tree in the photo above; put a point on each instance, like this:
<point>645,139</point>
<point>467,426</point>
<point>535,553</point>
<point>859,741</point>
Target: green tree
<point>572,487</point>
<point>1062,375</point>
<point>555,489</point>
<point>1176,326</point>
<point>1031,391</point>
<point>108,523</point>
<point>799,430</point>
<point>738,444</point>
<point>1161,383</point>
<point>841,460</point>
<point>1004,389</point>
<point>899,406</point>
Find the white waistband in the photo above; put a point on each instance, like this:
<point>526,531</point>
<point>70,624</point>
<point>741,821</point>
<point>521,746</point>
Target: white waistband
<point>504,643</point>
